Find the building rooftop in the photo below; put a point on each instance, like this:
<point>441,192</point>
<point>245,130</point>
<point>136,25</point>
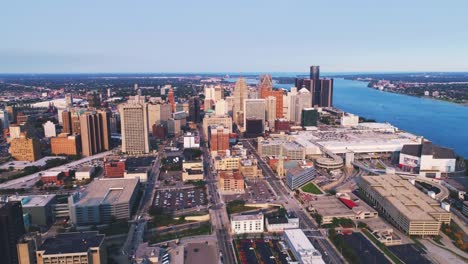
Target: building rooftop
<point>339,207</point>
<point>298,171</point>
<point>85,169</point>
<point>427,148</point>
<point>231,175</point>
<point>412,203</point>
<point>107,191</point>
<point>67,243</point>
<point>246,217</point>
<point>302,244</point>
<point>33,200</point>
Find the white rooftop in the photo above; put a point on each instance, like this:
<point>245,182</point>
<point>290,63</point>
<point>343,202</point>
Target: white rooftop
<point>32,200</point>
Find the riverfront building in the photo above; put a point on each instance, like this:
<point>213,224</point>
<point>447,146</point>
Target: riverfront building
<point>404,205</point>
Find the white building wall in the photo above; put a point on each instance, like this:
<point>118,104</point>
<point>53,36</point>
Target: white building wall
<point>49,129</point>
<point>247,226</point>
<point>442,165</point>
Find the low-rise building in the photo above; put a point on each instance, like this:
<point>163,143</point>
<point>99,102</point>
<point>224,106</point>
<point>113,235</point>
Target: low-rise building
<point>330,207</point>
<point>247,223</point>
<point>137,173</point>
<point>114,167</point>
<point>301,247</point>
<point>76,248</point>
<point>227,163</point>
<point>192,170</point>
<point>231,182</point>
<point>38,208</point>
<point>278,223</point>
<point>404,205</point>
<point>249,168</point>
<point>84,172</point>
<point>296,177</point>
<point>53,177</point>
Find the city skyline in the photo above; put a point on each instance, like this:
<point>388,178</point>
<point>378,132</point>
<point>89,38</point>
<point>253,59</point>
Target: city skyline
<point>105,37</point>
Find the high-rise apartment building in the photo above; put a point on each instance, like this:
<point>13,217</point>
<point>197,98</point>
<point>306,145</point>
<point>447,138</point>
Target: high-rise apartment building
<point>95,132</point>
<point>209,121</point>
<point>265,88</point>
<point>4,119</point>
<point>254,109</point>
<point>65,144</point>
<point>68,100</point>
<point>12,113</point>
<point>25,149</point>
<point>303,100</point>
<point>314,72</point>
<point>194,109</point>
<point>221,108</point>
<point>270,110</point>
<point>171,99</point>
<point>321,89</point>
<point>219,139</point>
<point>66,122</point>
<point>49,129</point>
<point>11,230</point>
<point>94,100</point>
<point>291,97</point>
<point>240,94</point>
<point>134,128</point>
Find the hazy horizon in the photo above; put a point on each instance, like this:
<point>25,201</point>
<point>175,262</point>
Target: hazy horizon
<point>243,36</point>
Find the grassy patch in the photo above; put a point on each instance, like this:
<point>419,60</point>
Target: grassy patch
<point>167,220</point>
<point>382,247</point>
<point>456,234</point>
<point>204,229</point>
<point>311,188</point>
<point>237,206</point>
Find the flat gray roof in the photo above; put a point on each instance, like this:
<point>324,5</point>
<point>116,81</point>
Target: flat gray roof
<point>108,191</point>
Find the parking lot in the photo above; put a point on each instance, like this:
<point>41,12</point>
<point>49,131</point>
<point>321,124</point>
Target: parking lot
<point>261,251</point>
<point>178,199</point>
<point>256,191</point>
<point>409,253</point>
<point>363,248</point>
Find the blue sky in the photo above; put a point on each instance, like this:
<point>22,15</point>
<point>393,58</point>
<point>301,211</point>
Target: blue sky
<point>211,36</point>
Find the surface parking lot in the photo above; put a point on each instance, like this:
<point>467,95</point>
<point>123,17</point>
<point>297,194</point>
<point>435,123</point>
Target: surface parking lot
<point>178,199</point>
<point>256,191</point>
<point>261,251</point>
<point>363,248</point>
<point>409,253</point>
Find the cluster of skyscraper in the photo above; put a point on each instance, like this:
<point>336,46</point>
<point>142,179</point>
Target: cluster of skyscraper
<point>256,110</point>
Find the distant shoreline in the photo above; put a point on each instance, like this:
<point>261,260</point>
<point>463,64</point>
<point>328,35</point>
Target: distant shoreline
<point>417,96</point>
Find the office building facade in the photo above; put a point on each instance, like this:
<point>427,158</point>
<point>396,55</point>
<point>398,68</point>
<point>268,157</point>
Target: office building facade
<point>134,127</point>
<point>11,229</point>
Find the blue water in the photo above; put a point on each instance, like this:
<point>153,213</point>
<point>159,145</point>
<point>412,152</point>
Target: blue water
<point>441,122</point>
